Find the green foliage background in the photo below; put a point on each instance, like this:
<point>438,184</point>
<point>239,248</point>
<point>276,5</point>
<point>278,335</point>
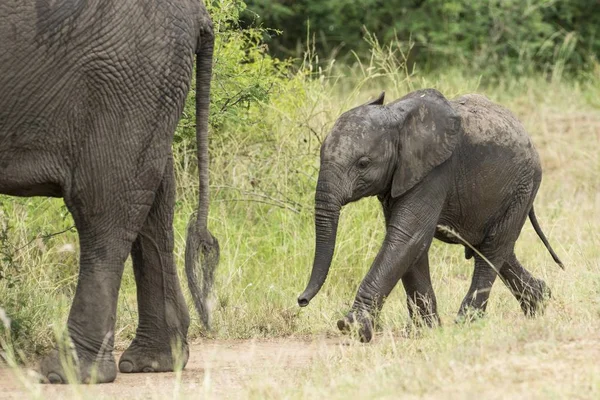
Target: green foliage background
<point>519,36</point>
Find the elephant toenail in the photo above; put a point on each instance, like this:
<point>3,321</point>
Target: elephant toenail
<point>148,369</point>
<point>126,367</point>
<point>54,378</point>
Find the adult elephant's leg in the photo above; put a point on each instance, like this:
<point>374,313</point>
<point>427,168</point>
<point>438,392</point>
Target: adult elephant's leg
<point>475,302</point>
<point>160,343</point>
<point>90,326</point>
<point>109,200</point>
<point>420,298</point>
<point>529,291</point>
<point>104,246</point>
<point>91,322</point>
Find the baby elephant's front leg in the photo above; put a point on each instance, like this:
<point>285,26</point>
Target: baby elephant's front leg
<point>411,221</point>
<point>420,298</point>
<point>399,252</point>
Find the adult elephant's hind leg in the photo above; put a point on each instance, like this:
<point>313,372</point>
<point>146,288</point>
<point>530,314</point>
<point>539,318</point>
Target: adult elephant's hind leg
<point>160,343</point>
<point>108,214</point>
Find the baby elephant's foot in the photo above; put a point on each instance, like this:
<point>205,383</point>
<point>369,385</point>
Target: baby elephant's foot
<point>59,367</point>
<point>469,314</point>
<point>534,298</point>
<point>359,323</point>
<point>145,358</point>
<point>419,324</point>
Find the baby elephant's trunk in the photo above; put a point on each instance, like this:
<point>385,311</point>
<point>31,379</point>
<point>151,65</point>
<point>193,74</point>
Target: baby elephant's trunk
<point>326,222</point>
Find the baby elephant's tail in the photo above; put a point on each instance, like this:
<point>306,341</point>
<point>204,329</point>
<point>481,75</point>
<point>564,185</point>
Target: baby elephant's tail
<point>538,230</point>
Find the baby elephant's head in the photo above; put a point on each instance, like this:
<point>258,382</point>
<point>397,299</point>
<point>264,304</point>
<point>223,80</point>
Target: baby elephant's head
<point>377,149</point>
<point>358,155</point>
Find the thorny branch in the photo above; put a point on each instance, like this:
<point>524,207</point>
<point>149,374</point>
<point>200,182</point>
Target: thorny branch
<point>265,199</point>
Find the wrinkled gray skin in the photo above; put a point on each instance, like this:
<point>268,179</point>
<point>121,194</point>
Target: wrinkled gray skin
<point>467,164</point>
<point>92,91</point>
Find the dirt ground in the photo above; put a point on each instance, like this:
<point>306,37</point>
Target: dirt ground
<point>222,368</point>
<point>225,369</point>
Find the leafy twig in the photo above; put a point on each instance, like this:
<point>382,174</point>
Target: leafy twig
<point>46,236</point>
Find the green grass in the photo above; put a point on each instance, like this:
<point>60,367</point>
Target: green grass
<point>263,176</point>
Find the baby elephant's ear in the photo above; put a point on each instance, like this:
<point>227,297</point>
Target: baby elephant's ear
<point>429,132</point>
<point>378,101</point>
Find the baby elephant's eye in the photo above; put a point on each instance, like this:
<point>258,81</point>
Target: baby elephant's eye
<point>363,162</point>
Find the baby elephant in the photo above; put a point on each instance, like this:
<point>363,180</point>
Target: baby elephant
<point>466,164</point>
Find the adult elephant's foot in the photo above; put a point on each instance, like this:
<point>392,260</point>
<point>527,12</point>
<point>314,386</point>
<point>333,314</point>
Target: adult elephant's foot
<point>359,323</point>
<point>140,357</point>
<point>59,367</point>
<point>534,298</point>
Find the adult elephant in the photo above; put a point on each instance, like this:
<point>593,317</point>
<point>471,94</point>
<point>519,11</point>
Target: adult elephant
<point>467,164</point>
<point>92,91</point>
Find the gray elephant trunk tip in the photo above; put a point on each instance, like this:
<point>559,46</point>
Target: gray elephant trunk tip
<point>305,298</point>
<point>326,220</point>
<point>303,301</point>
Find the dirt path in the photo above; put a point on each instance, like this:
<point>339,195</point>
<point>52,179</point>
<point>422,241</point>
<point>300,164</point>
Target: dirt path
<point>222,368</point>
<point>230,369</point>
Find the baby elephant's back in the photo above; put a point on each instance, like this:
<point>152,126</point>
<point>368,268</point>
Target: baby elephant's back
<point>489,125</point>
<point>496,155</point>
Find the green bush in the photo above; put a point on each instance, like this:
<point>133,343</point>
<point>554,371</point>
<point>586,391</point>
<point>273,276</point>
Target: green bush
<point>244,73</point>
<point>491,36</point>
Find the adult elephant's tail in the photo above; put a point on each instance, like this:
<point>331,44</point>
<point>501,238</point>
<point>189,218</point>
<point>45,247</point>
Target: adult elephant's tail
<point>539,232</point>
<point>202,248</point>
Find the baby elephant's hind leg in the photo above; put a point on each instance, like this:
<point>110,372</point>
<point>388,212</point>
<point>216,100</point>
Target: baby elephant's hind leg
<point>475,302</point>
<point>528,290</point>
